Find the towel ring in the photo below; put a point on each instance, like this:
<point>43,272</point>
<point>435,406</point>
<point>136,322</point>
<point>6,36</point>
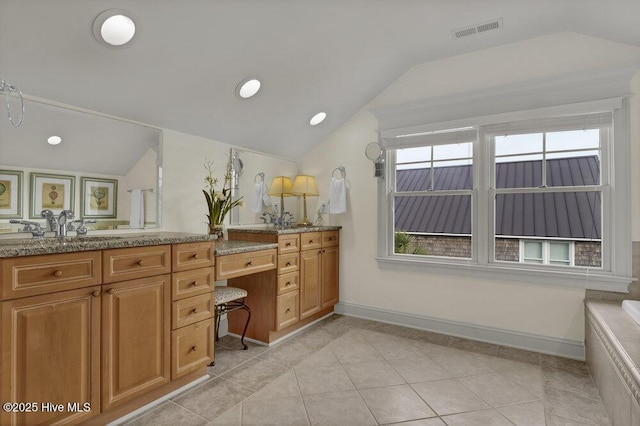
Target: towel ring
<point>260,175</point>
<point>341,169</point>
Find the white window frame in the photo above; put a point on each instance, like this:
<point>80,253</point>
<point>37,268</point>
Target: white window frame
<point>606,90</point>
<point>546,250</point>
<point>551,125</point>
<point>466,136</point>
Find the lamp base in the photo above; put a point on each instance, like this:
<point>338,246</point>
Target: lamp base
<point>305,222</point>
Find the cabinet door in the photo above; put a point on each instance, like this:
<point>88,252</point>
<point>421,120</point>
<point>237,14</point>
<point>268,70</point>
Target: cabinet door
<point>51,353</point>
<point>287,309</point>
<point>310,290</point>
<point>136,339</point>
<point>330,276</point>
<point>192,347</point>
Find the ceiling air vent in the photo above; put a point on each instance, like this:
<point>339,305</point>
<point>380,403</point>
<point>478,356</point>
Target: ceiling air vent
<point>477,28</point>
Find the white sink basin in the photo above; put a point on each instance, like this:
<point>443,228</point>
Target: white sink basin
<point>632,307</point>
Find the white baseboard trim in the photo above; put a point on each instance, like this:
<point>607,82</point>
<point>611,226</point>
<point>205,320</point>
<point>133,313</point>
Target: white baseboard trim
<point>543,344</point>
<point>283,338</point>
<point>158,401</point>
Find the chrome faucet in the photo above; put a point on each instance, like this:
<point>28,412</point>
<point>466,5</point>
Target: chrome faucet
<point>64,217</point>
<point>33,227</point>
<point>52,223</point>
<point>81,229</point>
<point>283,220</point>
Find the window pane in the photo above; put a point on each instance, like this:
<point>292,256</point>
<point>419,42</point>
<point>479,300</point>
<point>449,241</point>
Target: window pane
<point>573,216</point>
<point>433,225</point>
<point>413,154</point>
<point>574,139</point>
<point>413,179</point>
<point>447,177</point>
<point>452,171</point>
<point>519,172</point>
<point>533,251</point>
<point>457,150</point>
<point>575,170</point>
<point>518,144</point>
<point>559,252</point>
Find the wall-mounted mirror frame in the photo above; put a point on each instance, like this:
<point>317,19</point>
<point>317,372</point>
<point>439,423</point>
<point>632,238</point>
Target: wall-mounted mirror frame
<point>93,145</point>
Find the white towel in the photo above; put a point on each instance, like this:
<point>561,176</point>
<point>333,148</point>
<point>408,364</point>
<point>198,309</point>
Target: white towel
<point>261,197</point>
<point>337,196</point>
<point>266,198</point>
<point>136,220</point>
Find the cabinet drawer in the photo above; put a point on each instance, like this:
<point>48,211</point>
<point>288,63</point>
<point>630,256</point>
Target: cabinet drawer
<point>136,262</point>
<point>237,265</point>
<point>287,309</point>
<point>191,348</point>
<point>33,275</point>
<point>310,240</point>
<point>192,310</point>
<point>330,238</point>
<point>288,282</point>
<point>192,283</point>
<point>188,256</point>
<point>288,243</point>
<point>288,262</point>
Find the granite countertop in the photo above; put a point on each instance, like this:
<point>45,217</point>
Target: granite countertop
<point>53,245</point>
<point>225,247</point>
<point>291,230</point>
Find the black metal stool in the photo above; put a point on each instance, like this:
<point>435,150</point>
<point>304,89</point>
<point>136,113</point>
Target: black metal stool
<point>229,299</point>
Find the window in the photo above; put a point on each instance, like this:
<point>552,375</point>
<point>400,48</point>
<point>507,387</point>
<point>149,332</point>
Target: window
<point>530,194</point>
<point>548,185</point>
<point>433,193</point>
<point>546,252</point>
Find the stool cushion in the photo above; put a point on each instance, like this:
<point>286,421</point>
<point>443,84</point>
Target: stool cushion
<point>224,294</point>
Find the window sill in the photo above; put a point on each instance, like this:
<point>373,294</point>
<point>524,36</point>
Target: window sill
<point>592,280</point>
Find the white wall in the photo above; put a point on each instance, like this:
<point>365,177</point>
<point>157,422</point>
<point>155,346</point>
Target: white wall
<point>254,163</point>
<point>184,207</point>
<point>141,176</point>
<point>532,309</point>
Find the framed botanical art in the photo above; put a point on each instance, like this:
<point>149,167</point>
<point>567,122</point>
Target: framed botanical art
<point>10,194</point>
<point>99,197</point>
<point>51,192</point>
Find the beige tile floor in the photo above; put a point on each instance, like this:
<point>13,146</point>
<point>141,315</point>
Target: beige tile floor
<point>349,371</point>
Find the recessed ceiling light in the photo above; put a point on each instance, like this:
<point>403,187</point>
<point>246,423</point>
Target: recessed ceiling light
<point>114,28</point>
<point>54,140</point>
<point>248,88</point>
<point>318,118</point>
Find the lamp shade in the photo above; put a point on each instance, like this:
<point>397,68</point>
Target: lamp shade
<point>304,185</point>
<point>281,186</point>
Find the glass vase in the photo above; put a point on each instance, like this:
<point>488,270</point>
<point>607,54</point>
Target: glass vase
<point>217,231</point>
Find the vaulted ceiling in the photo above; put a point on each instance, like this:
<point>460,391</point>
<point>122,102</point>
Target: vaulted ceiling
<point>182,68</point>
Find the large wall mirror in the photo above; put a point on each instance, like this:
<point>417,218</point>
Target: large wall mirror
<point>93,171</point>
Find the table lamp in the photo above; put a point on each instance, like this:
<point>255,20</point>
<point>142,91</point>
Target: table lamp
<point>281,186</point>
<point>305,185</point>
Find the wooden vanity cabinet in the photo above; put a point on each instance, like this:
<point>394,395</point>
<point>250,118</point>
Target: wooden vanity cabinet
<point>136,322</point>
<point>136,337</point>
<point>330,268</point>
<point>96,327</point>
<point>288,279</point>
<point>302,289</point>
<point>193,307</point>
<point>50,325</point>
<point>310,276</point>
<point>51,353</point>
<point>319,271</point>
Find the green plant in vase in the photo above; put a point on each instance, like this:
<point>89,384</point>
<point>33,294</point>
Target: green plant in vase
<point>219,202</point>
